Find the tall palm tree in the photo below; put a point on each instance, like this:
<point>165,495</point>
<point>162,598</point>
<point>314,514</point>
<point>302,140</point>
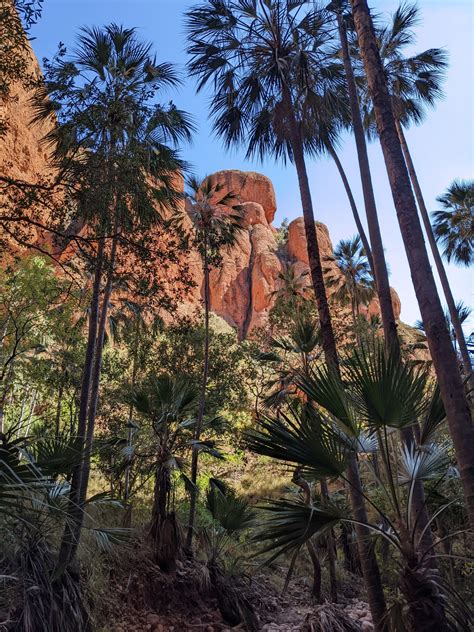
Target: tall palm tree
<point>216,220</point>
<point>265,58</point>
<point>378,393</point>
<point>109,139</point>
<point>441,349</point>
<point>268,62</point>
<point>454,225</point>
<point>354,283</point>
<point>292,289</point>
<point>414,82</point>
<point>345,24</point>
<point>343,19</point>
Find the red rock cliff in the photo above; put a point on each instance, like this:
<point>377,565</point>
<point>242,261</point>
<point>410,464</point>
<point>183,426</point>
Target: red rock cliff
<point>243,288</point>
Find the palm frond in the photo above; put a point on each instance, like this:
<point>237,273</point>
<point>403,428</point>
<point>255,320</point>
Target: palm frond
<point>304,439</point>
<point>386,392</point>
<point>289,524</point>
<point>233,513</point>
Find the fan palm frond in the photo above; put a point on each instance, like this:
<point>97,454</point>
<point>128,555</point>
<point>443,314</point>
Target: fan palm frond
<point>290,524</point>
<point>386,391</point>
<point>453,226</point>
<point>303,439</point>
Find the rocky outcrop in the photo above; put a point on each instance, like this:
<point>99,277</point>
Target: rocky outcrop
<point>242,288</point>
<point>249,186</point>
<point>22,155</point>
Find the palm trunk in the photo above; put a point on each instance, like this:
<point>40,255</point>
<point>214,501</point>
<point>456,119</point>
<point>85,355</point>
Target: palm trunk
<point>94,394</point>
<point>160,498</point>
<point>425,610</point>
<point>380,266</point>
<point>202,407</point>
<point>439,341</point>
<point>32,410</point>
<point>7,380</point>
<point>22,410</point>
<point>126,485</point>
<point>381,274</point>
<point>363,237</point>
<point>57,420</point>
<point>453,313</point>
<point>314,258</point>
<point>331,548</point>
<point>73,506</point>
<point>368,561</point>
<point>317,575</point>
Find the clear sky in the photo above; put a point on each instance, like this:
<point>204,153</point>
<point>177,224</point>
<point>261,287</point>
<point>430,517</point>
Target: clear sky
<point>442,148</point>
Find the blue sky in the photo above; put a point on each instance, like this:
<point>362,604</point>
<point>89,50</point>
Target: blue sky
<point>442,148</point>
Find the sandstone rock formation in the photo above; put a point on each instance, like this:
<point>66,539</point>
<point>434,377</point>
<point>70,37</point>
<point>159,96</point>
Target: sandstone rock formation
<point>22,155</point>
<point>249,186</point>
<point>243,287</point>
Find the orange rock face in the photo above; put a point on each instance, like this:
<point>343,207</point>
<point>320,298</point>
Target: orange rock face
<point>243,287</point>
<point>373,308</point>
<point>22,156</point>
<point>297,241</point>
<point>249,186</point>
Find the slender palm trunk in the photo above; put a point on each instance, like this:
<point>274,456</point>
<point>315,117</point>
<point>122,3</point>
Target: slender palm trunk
<point>380,266</point>
<point>32,411</point>
<point>381,273</point>
<point>6,382</point>
<point>363,237</point>
<point>57,420</point>
<point>439,341</point>
<point>160,496</point>
<point>73,507</point>
<point>94,393</point>
<point>314,257</point>
<point>331,548</point>
<point>453,312</point>
<point>202,406</point>
<point>368,561</point>
<point>126,484</point>
<point>22,410</point>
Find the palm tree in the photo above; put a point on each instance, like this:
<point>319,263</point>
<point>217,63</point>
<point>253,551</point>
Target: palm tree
<point>383,288</point>
<point>378,394</point>
<point>108,141</point>
<point>379,265</point>
<point>216,220</point>
<point>167,402</point>
<point>414,82</point>
<point>290,355</point>
<point>454,225</point>
<point>354,283</point>
<point>268,62</point>
<point>264,59</point>
<point>442,352</point>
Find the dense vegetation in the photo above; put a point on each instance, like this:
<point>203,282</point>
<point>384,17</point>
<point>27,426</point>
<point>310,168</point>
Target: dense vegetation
<point>133,438</point>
